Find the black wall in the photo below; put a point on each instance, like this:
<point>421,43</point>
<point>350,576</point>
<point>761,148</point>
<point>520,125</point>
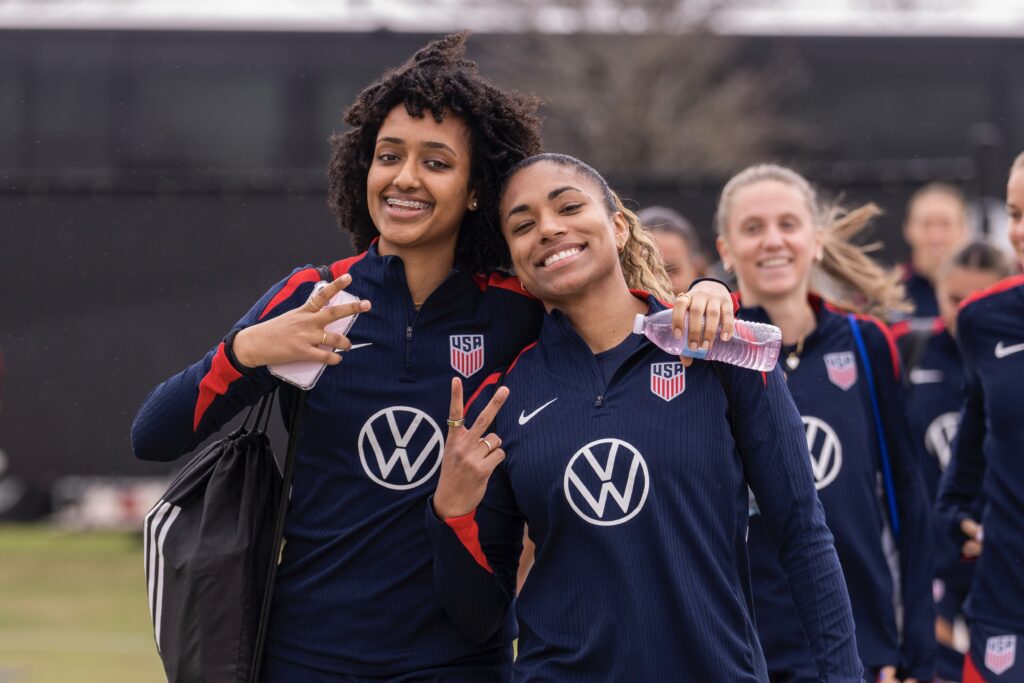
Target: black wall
<point>154,184</point>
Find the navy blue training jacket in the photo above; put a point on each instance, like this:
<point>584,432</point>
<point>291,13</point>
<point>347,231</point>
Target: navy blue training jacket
<point>829,389</point>
<point>632,476</point>
<point>934,395</point>
<point>921,293</point>
<point>354,592</point>
<point>988,455</point>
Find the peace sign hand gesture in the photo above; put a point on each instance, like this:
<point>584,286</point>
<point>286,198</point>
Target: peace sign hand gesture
<point>299,334</point>
<point>469,457</point>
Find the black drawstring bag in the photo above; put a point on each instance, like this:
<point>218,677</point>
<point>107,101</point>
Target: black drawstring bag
<point>211,546</point>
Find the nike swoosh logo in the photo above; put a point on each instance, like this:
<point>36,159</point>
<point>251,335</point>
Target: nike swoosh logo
<point>923,376</point>
<point>524,418</point>
<point>359,346</point>
<point>1004,351</point>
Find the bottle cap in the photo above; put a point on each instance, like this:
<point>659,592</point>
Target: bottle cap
<point>638,323</point>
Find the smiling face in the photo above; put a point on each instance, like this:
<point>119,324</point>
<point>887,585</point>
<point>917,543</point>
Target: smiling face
<point>1015,208</point>
<point>417,188</point>
<point>771,241</point>
<point>562,239</point>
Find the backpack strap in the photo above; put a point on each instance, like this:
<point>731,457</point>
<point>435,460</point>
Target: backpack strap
<point>277,546</point>
<point>883,448</point>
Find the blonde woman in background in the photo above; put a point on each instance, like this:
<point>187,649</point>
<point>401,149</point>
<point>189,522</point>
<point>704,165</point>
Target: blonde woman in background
<point>776,236</point>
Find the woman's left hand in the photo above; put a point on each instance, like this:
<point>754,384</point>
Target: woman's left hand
<point>706,306</point>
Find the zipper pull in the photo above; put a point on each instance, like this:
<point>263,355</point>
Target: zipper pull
<point>408,333</point>
<point>599,401</point>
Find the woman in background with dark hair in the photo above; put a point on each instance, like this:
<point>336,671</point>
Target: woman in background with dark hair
<point>678,245</point>
<point>415,182</point>
<point>935,392</point>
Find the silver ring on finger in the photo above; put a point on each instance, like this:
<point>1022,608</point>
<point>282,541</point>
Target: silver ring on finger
<point>487,443</point>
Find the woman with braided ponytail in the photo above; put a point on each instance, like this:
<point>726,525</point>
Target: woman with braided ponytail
<point>843,371</point>
<point>629,470</point>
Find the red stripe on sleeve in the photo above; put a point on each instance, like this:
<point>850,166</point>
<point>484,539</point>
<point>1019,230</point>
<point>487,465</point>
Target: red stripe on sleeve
<point>970,672</point>
<point>469,535</point>
<point>491,379</point>
<point>764,378</point>
<point>301,277</point>
<point>1001,286</point>
<point>339,268</point>
<point>214,384</point>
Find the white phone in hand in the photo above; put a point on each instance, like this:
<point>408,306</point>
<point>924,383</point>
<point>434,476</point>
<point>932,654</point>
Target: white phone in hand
<point>305,373</point>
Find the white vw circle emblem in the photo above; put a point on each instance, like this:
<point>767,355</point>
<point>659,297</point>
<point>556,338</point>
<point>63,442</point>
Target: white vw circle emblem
<point>938,438</point>
<point>400,435</point>
<point>826,451</point>
<point>593,470</point>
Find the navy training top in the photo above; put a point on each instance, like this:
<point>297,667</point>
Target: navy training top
<point>988,454</point>
<point>635,493</point>
<point>829,389</point>
<point>354,592</point>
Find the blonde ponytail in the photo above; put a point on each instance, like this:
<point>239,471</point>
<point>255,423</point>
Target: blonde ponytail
<point>863,284</point>
<point>641,264</point>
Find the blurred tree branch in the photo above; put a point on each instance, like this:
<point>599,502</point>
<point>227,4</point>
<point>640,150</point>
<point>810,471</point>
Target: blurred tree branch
<point>645,86</point>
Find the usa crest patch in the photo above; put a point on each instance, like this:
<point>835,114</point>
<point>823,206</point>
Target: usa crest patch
<point>842,369</point>
<point>467,353</point>
<point>1000,653</point>
<point>668,380</point>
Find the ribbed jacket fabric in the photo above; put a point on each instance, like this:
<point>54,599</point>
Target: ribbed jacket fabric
<point>354,593</point>
<point>830,390</point>
<point>635,493</point>
<point>987,456</point>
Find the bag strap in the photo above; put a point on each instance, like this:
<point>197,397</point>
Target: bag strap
<point>883,448</point>
<point>276,547</point>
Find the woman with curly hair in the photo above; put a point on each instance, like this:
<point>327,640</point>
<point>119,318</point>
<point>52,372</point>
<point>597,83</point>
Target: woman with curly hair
<point>415,182</point>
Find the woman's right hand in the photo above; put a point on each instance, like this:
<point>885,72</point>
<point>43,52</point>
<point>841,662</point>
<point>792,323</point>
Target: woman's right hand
<point>469,456</point>
<point>299,333</point>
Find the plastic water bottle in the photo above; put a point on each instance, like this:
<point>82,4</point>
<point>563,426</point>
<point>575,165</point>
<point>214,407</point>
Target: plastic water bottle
<point>754,346</point>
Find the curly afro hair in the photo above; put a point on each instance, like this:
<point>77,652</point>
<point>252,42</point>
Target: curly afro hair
<point>504,129</point>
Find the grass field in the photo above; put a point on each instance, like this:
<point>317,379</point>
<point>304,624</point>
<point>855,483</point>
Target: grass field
<point>73,608</point>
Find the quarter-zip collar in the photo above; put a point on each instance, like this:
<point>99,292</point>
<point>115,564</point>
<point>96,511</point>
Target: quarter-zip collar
<point>566,349</point>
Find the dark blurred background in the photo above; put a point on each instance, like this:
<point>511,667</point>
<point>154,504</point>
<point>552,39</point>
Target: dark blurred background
<point>153,184</point>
